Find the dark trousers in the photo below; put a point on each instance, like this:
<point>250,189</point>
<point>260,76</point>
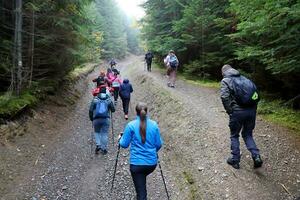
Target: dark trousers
<point>139,174</point>
<point>125,102</point>
<point>116,93</point>
<point>242,120</point>
<point>149,66</point>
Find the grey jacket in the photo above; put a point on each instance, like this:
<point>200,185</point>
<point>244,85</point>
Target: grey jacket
<point>227,96</point>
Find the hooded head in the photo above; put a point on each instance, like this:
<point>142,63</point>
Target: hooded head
<point>228,71</point>
<point>126,81</point>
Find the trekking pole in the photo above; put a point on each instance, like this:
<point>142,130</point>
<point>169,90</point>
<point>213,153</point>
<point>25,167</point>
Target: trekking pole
<point>92,141</point>
<point>116,164</point>
<point>163,178</point>
<point>112,128</point>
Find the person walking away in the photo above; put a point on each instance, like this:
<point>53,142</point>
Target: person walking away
<point>99,114</point>
<point>125,93</point>
<point>143,136</point>
<point>116,83</point>
<point>172,64</point>
<point>148,58</point>
<point>240,97</point>
<point>112,63</point>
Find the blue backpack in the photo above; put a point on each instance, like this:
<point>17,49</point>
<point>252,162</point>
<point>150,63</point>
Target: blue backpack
<point>173,61</point>
<point>101,110</point>
<point>245,92</point>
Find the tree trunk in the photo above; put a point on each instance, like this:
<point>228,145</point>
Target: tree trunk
<point>17,57</point>
<point>31,49</point>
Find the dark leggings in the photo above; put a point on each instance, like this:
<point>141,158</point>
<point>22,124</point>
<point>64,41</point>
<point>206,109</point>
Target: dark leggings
<point>139,174</point>
<point>125,103</point>
<point>116,93</point>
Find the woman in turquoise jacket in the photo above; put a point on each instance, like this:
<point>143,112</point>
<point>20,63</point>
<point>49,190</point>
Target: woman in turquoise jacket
<point>144,137</point>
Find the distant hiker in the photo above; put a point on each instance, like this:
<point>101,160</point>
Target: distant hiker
<point>99,113</point>
<point>112,63</point>
<point>148,59</point>
<point>116,82</point>
<point>143,136</point>
<point>125,91</point>
<point>172,64</point>
<point>239,97</point>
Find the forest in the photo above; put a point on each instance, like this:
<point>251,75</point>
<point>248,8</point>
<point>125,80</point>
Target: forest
<point>258,37</point>
<point>42,40</point>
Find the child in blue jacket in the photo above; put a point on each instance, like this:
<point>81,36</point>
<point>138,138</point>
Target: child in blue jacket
<point>144,137</point>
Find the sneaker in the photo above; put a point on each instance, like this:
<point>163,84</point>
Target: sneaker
<point>172,86</point>
<point>116,103</point>
<point>97,149</point>
<point>257,161</point>
<point>169,84</point>
<point>235,164</point>
<point>126,117</point>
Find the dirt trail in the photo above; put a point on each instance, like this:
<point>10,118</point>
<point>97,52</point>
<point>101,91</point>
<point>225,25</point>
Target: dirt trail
<point>52,160</point>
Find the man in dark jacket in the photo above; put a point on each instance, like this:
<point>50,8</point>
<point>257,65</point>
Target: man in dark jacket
<point>101,123</point>
<point>240,118</point>
<point>148,59</point>
<point>125,93</point>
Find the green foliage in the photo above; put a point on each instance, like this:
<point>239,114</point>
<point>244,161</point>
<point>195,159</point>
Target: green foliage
<point>259,37</point>
<point>10,105</point>
<point>275,111</point>
<point>270,34</point>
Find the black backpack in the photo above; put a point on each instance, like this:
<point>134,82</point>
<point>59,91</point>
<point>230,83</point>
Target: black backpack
<point>100,81</point>
<point>245,92</point>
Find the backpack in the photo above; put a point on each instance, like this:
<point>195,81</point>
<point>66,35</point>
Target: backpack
<point>100,81</point>
<point>149,56</point>
<point>245,92</point>
<point>101,110</point>
<point>173,61</point>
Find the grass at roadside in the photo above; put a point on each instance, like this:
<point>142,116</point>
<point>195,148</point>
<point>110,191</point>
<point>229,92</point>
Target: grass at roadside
<point>275,111</point>
<point>11,105</point>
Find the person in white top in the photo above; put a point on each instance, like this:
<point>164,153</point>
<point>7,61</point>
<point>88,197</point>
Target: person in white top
<point>172,64</point>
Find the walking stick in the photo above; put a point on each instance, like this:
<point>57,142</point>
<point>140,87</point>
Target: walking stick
<point>92,141</point>
<point>163,178</point>
<point>116,164</point>
<point>112,127</point>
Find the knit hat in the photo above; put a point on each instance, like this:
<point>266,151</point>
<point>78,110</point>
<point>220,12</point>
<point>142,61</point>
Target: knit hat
<point>225,68</point>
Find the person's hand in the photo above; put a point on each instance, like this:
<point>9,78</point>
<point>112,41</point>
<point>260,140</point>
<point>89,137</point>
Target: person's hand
<point>120,135</point>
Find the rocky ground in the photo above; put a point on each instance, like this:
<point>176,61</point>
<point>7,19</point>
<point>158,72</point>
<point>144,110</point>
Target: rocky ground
<point>52,158</point>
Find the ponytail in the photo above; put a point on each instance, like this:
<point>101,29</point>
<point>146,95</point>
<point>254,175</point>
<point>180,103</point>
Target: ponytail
<point>141,110</point>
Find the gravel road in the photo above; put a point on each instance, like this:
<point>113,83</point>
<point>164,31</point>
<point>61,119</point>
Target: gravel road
<point>53,160</point>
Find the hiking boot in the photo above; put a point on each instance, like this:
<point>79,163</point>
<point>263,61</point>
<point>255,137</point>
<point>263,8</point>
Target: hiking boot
<point>126,117</point>
<point>234,163</point>
<point>172,86</point>
<point>257,161</point>
<point>97,149</point>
